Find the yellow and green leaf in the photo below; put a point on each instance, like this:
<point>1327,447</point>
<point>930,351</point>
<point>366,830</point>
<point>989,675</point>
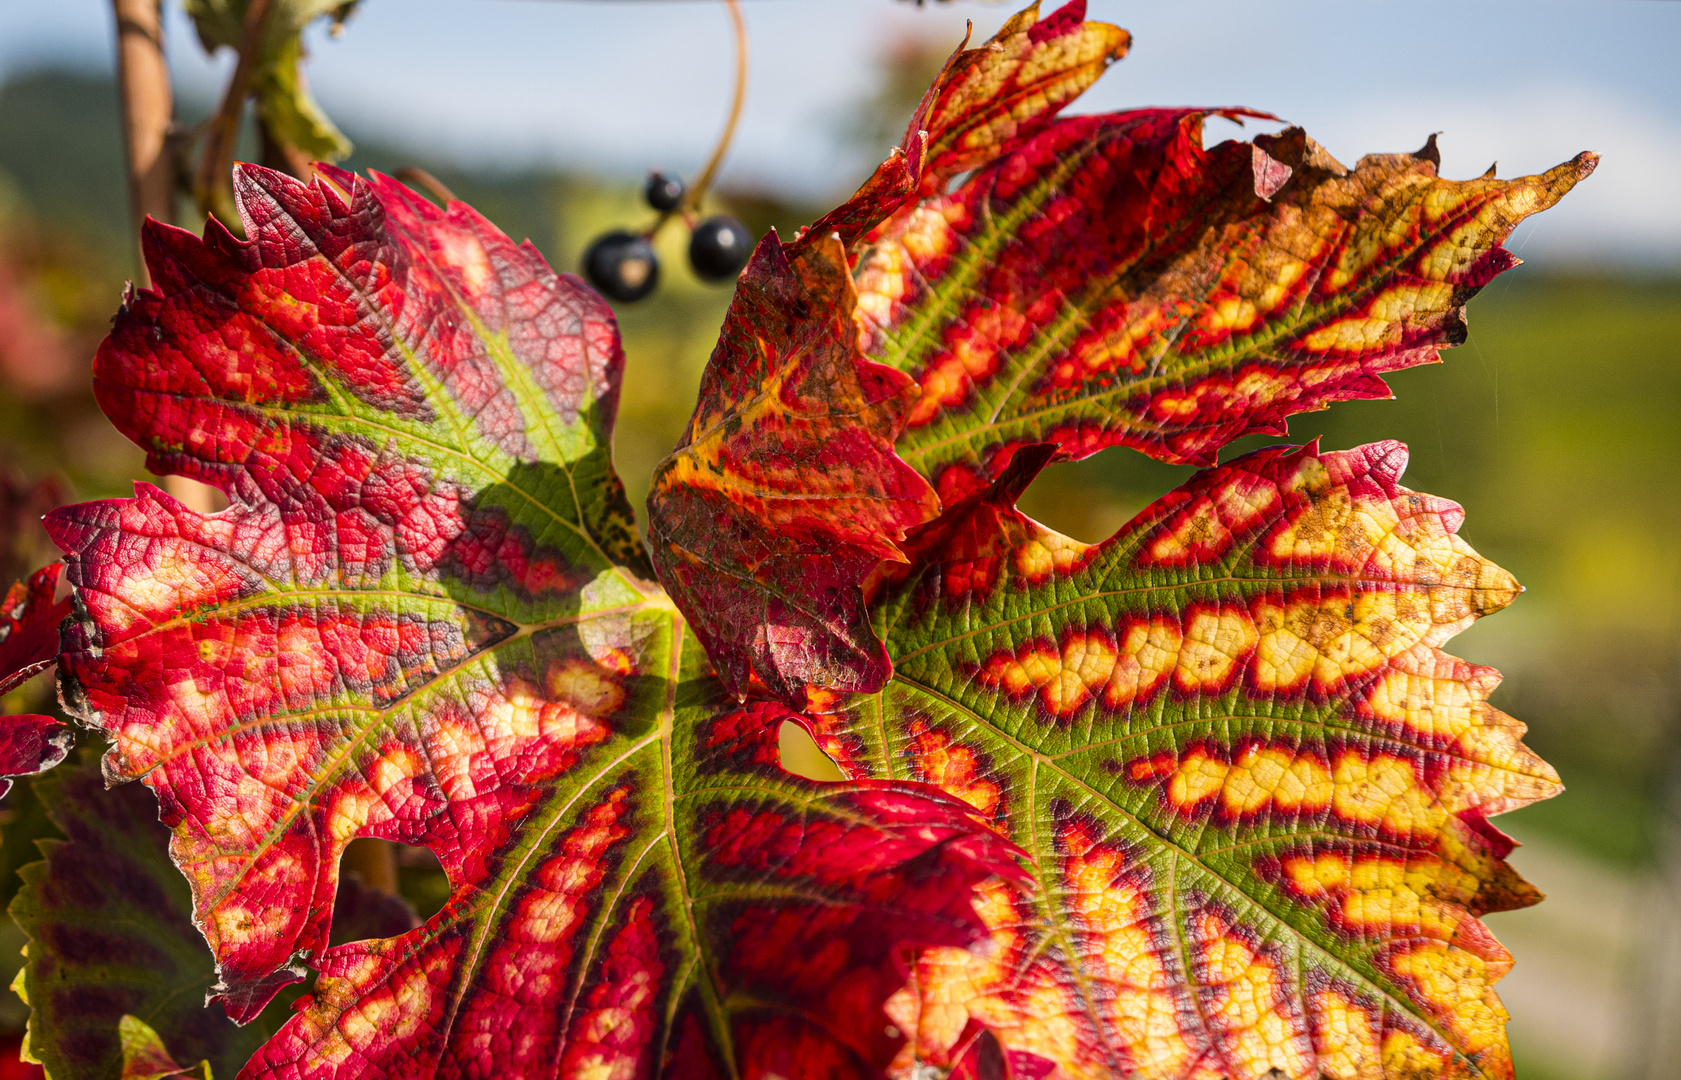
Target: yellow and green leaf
<point>425,617</point>
<point>1255,790</point>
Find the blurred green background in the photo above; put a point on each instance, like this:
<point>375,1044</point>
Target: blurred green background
<point>1556,426</point>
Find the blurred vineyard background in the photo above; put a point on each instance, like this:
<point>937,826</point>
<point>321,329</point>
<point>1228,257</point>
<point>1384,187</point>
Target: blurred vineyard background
<point>1558,426</point>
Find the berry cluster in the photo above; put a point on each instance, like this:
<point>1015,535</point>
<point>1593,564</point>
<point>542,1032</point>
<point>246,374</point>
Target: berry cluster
<point>623,266</point>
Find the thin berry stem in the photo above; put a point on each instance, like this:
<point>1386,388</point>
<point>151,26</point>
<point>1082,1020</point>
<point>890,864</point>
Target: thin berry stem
<point>415,176</point>
<point>690,203</point>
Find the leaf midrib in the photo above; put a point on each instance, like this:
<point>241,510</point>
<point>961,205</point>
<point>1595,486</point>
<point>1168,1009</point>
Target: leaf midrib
<point>1174,850</point>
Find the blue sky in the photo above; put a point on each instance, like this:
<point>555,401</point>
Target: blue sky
<point>622,86</point>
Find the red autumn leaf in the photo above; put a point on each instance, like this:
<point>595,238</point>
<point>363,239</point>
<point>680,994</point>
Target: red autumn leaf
<point>983,100</point>
<point>784,491</point>
<point>1107,280</point>
<point>421,619</point>
<point>29,619</point>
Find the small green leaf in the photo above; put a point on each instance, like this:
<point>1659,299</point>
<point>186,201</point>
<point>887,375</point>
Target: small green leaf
<point>144,1055</point>
<point>283,99</point>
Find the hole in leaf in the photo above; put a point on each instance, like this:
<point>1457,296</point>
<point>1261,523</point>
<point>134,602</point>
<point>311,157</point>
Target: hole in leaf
<point>802,756</point>
<point>989,1060</point>
<point>385,888</point>
<point>1090,500</point>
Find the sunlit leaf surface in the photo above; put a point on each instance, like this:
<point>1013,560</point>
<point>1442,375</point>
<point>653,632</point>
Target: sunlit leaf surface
<point>425,618</point>
<point>29,618</point>
<point>1255,788</point>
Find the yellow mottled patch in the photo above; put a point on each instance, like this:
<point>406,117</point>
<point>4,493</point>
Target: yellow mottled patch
<point>1214,643</point>
<point>234,921</point>
<point>1149,652</point>
<point>945,382</point>
<point>1404,1055</point>
<point>452,744</point>
<point>1235,313</point>
<point>1248,1003</point>
<point>1436,708</point>
<point>955,768</point>
<point>396,765</point>
<point>1460,985</point>
<point>412,994</point>
<point>203,711</point>
<point>883,281</point>
<point>1118,951</point>
<point>1199,529</point>
<point>1275,777</point>
<point>1019,672</point>
<point>580,692</point>
<point>930,234</point>
<point>1334,527</point>
<point>1384,790</point>
<point>1050,553</point>
<point>1345,1038</point>
<point>1086,663</point>
<point>1376,894</point>
<point>1410,301</point>
<point>1276,282</point>
<point>1175,406</point>
<point>516,713</point>
<point>1283,656</point>
<point>1335,638</point>
<point>174,578</point>
<point>352,807</point>
<point>1198,777</point>
<point>1262,384</point>
<point>1354,334</point>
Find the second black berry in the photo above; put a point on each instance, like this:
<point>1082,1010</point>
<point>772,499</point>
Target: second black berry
<point>719,248</point>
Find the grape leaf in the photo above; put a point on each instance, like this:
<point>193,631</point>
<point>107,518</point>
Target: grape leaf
<point>108,918</point>
<point>29,618</point>
<point>983,100</point>
<point>1255,789</point>
<point>1109,281</point>
<point>425,617</point>
<point>145,1057</point>
<point>785,492</point>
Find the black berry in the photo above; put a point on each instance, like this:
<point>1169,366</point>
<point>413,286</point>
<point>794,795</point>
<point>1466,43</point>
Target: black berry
<point>663,192</point>
<point>719,248</point>
<point>622,265</point>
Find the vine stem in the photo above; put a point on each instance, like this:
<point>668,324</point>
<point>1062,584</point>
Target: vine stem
<point>697,191</point>
<point>212,186</point>
<point>148,104</point>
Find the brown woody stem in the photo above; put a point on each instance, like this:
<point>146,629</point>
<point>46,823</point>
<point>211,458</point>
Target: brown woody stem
<point>414,176</point>
<point>147,106</point>
<point>147,103</point>
<point>375,862</point>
